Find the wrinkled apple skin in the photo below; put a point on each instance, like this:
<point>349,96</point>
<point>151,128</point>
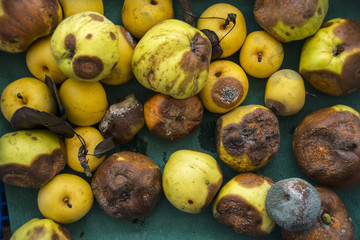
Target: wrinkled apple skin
<point>85,46</point>
<point>330,60</point>
<point>172,58</point>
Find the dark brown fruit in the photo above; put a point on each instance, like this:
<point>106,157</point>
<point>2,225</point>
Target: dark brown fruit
<point>127,185</point>
<point>172,118</point>
<point>333,223</point>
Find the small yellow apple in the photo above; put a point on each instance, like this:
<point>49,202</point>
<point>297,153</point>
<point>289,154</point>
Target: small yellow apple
<point>191,180</point>
<point>234,38</point>
<point>226,87</point>
<point>92,138</point>
<point>122,72</point>
<point>285,92</point>
<point>65,199</point>
<point>41,62</point>
<point>261,54</point>
<point>71,7</point>
<point>85,102</point>
<point>27,92</point>
<point>138,16</point>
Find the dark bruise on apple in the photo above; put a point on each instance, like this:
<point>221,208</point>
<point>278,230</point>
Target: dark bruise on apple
<point>127,185</point>
<point>17,32</point>
<point>348,81</point>
<point>172,118</point>
<point>326,145</point>
<point>333,223</point>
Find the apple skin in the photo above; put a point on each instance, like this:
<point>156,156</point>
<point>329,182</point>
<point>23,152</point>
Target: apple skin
<point>53,195</point>
<point>172,44</point>
<point>226,87</point>
<point>41,229</point>
<point>261,55</point>
<point>41,62</point>
<point>30,158</point>
<point>235,38</point>
<point>85,46</point>
<point>27,92</point>
<point>191,180</point>
<point>122,73</point>
<point>71,7</point>
<point>24,21</point>
<point>240,203</point>
<point>330,60</point>
<point>290,20</point>
<point>138,16</point>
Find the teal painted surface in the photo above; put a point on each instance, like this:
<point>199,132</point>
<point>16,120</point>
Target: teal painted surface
<point>166,222</point>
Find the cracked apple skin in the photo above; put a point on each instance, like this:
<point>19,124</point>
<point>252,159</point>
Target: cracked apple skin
<point>172,58</point>
<point>330,60</point>
<point>333,222</point>
<point>326,146</point>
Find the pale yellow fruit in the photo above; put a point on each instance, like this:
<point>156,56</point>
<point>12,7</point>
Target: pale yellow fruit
<point>71,7</point>
<point>54,197</point>
<point>285,92</point>
<point>235,38</point>
<point>138,16</point>
<point>85,102</point>
<point>226,87</point>
<point>191,180</point>
<point>122,72</point>
<point>92,138</point>
<point>27,92</point>
<point>261,55</point>
<point>41,62</point>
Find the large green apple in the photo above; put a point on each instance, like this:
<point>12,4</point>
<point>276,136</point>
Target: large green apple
<point>290,20</point>
<point>330,60</point>
<point>30,158</point>
<point>85,46</point>
<point>172,58</point>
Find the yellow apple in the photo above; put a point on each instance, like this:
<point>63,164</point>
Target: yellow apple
<point>235,38</point>
<point>191,180</point>
<point>27,92</point>
<point>85,102</point>
<point>285,92</point>
<point>65,199</point>
<point>41,62</point>
<point>122,72</point>
<point>261,55</point>
<point>92,138</point>
<point>226,87</point>
<point>71,7</point>
<point>138,16</point>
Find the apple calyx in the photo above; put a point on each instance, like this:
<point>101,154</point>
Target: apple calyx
<point>338,49</point>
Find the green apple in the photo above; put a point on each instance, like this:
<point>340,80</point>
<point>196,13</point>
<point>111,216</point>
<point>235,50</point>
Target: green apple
<point>30,158</point>
<point>240,203</point>
<point>290,20</point>
<point>27,92</point>
<point>191,180</point>
<point>172,58</point>
<point>85,46</point>
<point>65,199</point>
<point>41,62</point>
<point>41,229</point>
<point>330,59</point>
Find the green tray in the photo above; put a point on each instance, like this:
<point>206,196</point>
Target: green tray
<point>166,222</point>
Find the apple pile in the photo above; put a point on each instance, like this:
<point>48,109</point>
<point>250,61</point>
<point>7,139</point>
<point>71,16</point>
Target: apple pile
<point>63,118</point>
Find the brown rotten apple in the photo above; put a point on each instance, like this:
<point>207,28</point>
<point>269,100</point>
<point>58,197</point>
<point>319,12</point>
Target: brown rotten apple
<point>24,21</point>
<point>326,145</point>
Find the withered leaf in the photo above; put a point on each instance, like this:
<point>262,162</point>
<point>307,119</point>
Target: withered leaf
<point>54,91</point>
<point>83,161</point>
<point>103,147</point>
<point>188,14</point>
<point>215,43</point>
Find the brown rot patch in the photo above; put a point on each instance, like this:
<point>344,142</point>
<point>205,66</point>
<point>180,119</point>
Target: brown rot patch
<point>275,106</point>
<point>129,38</point>
<point>249,180</point>
<point>96,17</point>
<point>70,44</point>
<point>112,36</point>
<point>227,92</point>
<point>87,67</point>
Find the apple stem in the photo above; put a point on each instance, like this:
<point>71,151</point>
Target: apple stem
<point>231,18</point>
<point>21,97</point>
<point>66,200</point>
<point>259,57</point>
